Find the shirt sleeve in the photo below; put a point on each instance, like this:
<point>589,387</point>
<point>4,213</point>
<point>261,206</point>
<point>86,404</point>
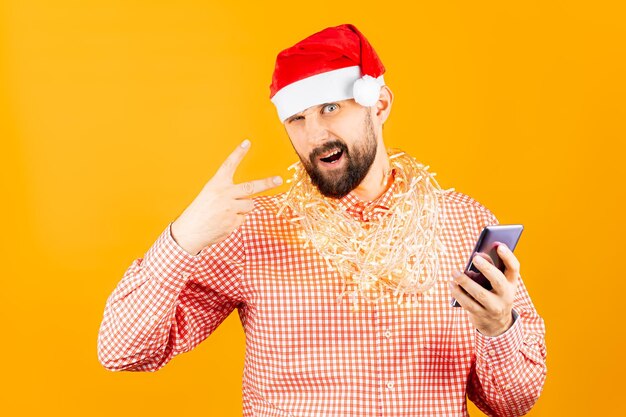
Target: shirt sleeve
<point>510,369</point>
<point>168,302</point>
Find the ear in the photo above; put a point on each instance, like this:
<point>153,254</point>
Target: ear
<point>383,105</point>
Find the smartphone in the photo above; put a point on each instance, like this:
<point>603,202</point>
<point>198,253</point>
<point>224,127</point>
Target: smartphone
<point>488,241</point>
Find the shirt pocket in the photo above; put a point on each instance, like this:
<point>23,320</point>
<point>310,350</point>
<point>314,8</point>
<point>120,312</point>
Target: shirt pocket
<point>305,366</point>
<point>449,342</point>
<point>442,349</point>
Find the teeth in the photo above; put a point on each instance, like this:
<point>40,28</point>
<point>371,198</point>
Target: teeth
<point>332,153</point>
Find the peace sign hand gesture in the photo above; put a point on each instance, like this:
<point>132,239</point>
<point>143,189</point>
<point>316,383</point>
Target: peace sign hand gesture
<point>220,207</point>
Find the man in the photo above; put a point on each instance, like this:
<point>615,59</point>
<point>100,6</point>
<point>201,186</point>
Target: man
<point>343,283</point>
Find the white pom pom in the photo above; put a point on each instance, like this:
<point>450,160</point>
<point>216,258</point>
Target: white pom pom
<point>366,91</point>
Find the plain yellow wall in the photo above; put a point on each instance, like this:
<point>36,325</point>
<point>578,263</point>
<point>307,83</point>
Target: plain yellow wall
<point>115,114</point>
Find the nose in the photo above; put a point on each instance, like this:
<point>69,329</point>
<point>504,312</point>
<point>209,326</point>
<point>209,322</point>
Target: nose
<point>316,130</point>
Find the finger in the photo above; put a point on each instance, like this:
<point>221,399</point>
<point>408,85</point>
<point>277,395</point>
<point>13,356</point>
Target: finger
<point>229,166</point>
<point>243,206</point>
<point>475,290</point>
<point>493,274</point>
<point>237,221</point>
<point>464,299</point>
<point>246,189</point>
<point>511,264</point>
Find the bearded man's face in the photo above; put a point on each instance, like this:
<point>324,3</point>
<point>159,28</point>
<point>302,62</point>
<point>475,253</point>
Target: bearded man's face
<point>336,143</point>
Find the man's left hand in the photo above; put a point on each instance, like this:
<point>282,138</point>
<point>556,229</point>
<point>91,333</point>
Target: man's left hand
<point>491,312</point>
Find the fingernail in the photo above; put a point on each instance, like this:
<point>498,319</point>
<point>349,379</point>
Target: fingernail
<point>245,143</point>
<point>456,274</point>
<point>478,260</point>
<point>277,180</point>
<point>502,247</point>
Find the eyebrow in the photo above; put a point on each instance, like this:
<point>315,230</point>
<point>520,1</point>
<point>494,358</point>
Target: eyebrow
<point>290,118</point>
<point>302,113</point>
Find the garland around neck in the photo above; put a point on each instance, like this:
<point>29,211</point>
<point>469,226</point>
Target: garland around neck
<point>396,253</point>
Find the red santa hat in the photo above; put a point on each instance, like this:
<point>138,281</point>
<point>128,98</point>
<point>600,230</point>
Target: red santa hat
<point>337,63</point>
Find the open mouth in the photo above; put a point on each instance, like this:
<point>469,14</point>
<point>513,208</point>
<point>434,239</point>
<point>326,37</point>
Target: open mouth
<point>332,157</point>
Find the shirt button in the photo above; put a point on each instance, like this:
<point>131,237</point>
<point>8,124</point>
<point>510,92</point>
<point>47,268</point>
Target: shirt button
<point>185,274</point>
<point>153,318</point>
<point>388,334</point>
<point>492,352</point>
<point>390,385</point>
<point>532,339</point>
<point>508,386</point>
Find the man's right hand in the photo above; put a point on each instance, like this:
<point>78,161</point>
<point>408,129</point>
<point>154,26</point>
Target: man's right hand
<point>220,207</point>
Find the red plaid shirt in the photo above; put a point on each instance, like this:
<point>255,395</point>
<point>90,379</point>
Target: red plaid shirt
<point>310,354</point>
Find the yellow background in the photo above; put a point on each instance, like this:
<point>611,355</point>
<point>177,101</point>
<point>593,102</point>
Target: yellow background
<point>115,114</point>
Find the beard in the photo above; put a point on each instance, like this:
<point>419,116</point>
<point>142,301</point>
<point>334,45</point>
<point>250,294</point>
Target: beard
<point>359,159</point>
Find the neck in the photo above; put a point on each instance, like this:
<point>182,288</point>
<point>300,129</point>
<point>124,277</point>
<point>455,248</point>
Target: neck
<point>376,182</point>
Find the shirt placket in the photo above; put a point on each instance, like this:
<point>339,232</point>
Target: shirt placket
<point>386,372</point>
<point>387,375</point>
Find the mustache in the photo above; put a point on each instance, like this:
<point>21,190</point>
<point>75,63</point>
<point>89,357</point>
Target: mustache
<point>328,146</point>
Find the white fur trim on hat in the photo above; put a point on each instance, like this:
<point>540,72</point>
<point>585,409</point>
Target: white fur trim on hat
<point>326,87</point>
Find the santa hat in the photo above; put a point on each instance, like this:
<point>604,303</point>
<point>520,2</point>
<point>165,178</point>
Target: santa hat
<point>337,63</point>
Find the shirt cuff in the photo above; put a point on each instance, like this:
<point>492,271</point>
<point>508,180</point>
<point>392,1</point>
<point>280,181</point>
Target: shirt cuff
<point>167,262</point>
<point>501,347</point>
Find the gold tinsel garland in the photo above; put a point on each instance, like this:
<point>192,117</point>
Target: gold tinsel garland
<point>398,250</point>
